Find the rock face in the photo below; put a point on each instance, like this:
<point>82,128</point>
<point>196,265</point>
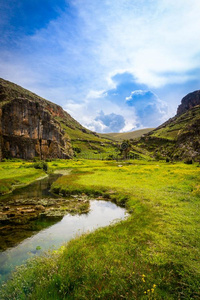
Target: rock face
<point>189,101</point>
<point>28,127</point>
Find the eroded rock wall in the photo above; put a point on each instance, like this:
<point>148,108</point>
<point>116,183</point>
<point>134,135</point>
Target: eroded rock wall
<point>29,130</point>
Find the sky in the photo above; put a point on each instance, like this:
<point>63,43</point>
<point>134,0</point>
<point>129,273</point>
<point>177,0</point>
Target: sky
<point>114,65</point>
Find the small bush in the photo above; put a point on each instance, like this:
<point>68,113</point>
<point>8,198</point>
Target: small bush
<point>36,159</point>
<point>121,200</point>
<point>77,149</point>
<point>110,157</point>
<point>188,161</point>
<point>48,160</point>
<point>41,165</point>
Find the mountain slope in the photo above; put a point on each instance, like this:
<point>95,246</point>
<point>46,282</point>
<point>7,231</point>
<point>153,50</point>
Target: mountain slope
<point>179,137</point>
<point>31,126</point>
<point>120,136</point>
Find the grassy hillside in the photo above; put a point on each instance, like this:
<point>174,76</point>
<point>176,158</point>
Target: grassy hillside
<point>178,138</point>
<point>178,125</point>
<point>154,254</point>
<point>120,136</point>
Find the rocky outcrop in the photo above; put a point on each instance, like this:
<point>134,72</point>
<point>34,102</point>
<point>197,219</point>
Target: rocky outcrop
<point>179,137</point>
<point>28,127</point>
<point>28,131</point>
<point>189,101</point>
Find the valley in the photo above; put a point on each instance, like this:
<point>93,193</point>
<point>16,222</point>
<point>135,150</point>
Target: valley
<point>139,190</point>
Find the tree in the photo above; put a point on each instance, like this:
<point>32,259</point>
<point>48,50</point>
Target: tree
<point>125,148</point>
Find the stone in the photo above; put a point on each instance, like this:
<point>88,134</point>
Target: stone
<point>39,207</point>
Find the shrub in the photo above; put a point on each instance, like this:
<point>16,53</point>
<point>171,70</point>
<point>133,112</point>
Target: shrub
<point>110,157</point>
<point>77,149</point>
<point>188,161</point>
<point>41,165</point>
<point>48,160</point>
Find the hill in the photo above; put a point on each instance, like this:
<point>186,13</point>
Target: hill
<point>31,126</point>
<point>179,137</point>
<point>120,136</point>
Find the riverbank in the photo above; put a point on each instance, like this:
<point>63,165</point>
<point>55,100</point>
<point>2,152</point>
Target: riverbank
<point>154,254</point>
<point>14,174</point>
<point>30,208</point>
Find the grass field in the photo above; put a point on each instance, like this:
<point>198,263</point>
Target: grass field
<point>154,254</point>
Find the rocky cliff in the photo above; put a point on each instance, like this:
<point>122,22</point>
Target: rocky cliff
<point>31,126</point>
<point>189,101</point>
<point>28,125</point>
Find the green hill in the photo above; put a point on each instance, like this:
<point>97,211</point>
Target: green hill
<point>120,136</point>
<point>179,137</point>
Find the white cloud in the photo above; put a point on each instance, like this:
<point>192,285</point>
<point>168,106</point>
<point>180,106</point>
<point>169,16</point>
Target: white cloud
<point>151,110</point>
<point>145,38</point>
<point>88,113</point>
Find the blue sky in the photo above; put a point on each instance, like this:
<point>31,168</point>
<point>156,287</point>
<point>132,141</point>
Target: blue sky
<point>114,65</point>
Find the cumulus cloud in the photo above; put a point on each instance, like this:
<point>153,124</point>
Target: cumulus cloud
<point>90,114</point>
<point>111,122</point>
<point>126,107</point>
<point>151,111</point>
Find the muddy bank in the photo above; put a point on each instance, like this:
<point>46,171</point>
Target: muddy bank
<point>21,211</point>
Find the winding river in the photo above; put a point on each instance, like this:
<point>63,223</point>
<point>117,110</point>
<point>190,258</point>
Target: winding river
<point>23,237</point>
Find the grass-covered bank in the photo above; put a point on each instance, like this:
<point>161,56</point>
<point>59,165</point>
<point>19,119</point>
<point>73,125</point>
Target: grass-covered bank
<point>18,173</point>
<point>152,255</point>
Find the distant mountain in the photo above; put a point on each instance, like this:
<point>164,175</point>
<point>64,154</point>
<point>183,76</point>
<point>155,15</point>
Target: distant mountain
<point>31,126</point>
<point>120,136</point>
<point>179,137</point>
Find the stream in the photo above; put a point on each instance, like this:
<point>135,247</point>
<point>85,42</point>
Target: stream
<point>33,220</point>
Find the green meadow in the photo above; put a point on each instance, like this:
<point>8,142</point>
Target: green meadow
<point>153,254</point>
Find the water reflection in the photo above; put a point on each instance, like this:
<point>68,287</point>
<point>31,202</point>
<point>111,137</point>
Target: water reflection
<point>16,220</point>
<point>102,213</point>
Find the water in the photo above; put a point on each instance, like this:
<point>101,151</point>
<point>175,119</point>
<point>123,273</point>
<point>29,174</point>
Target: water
<point>56,232</point>
<point>39,189</point>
